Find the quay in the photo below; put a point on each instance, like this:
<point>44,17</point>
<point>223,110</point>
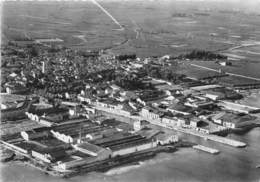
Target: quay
<point>227,141</point>
<point>219,139</point>
<point>206,149</point>
<point>215,138</point>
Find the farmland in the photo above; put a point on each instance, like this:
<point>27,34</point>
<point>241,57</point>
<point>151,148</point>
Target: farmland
<point>151,28</point>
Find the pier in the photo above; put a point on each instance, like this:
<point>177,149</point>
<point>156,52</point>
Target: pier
<point>206,149</point>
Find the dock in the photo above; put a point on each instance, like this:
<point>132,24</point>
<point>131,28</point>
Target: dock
<point>206,149</point>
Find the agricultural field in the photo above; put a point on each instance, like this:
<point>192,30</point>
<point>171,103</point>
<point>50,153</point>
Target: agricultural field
<point>150,27</point>
<point>145,28</point>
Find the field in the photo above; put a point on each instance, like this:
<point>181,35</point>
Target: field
<point>151,28</point>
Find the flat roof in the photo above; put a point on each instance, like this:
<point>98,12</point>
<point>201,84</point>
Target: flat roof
<point>205,87</point>
<point>129,144</point>
<point>48,111</point>
<point>180,107</point>
<point>90,147</point>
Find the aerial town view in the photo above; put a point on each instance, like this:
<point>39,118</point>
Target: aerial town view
<point>130,90</point>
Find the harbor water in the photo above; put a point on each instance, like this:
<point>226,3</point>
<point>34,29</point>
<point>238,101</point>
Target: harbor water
<point>187,164</point>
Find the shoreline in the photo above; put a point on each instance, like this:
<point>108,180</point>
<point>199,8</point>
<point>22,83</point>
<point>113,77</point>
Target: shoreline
<point>101,166</point>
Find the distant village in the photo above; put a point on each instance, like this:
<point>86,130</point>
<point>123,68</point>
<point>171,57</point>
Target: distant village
<point>67,111</point>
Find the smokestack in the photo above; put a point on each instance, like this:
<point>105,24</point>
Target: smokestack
<point>43,67</point>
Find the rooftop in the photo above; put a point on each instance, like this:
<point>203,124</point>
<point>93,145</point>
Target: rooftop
<point>89,147</point>
<point>48,111</point>
<point>180,107</point>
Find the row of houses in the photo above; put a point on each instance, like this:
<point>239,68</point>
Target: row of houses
<point>156,117</point>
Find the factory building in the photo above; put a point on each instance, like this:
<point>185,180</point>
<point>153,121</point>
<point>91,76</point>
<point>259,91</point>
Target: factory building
<point>30,135</point>
<point>93,150</point>
<point>15,113</point>
<point>132,149</point>
<point>231,120</point>
<point>49,155</point>
<point>122,144</point>
<point>53,114</point>
<point>239,107</point>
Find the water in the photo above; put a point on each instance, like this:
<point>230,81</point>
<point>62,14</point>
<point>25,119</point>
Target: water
<point>232,164</point>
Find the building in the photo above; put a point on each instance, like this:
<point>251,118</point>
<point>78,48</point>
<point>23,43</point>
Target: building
<point>170,121</point>
<point>75,131</point>
<point>93,150</point>
<point>133,148</point>
<point>46,122</point>
<point>225,63</point>
<point>221,93</point>
<point>194,122</point>
<point>215,96</point>
<point>31,135</point>
<point>196,103</point>
<point>150,113</point>
<point>73,163</point>
<point>239,107</point>
<point>63,137</point>
<point>125,143</point>
<point>94,136</point>
<point>52,114</point>
<point>110,104</point>
<point>15,88</point>
<point>48,155</point>
<point>180,108</point>
<point>218,118</point>
<point>139,125</point>
<point>231,120</point>
<point>164,139</point>
<point>15,113</point>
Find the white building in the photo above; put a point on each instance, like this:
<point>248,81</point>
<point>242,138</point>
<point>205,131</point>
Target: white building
<point>164,139</point>
<point>139,125</point>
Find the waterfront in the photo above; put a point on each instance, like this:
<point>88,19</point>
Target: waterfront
<point>232,164</point>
